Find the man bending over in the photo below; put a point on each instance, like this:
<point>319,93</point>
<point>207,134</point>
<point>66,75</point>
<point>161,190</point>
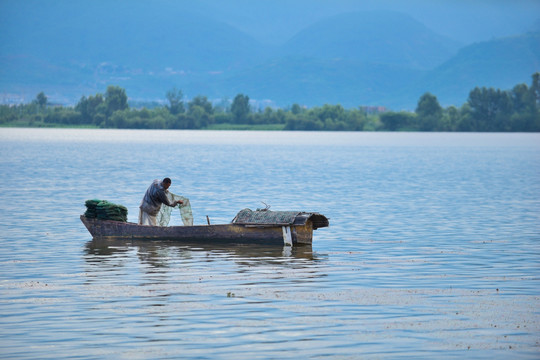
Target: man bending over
<point>152,200</point>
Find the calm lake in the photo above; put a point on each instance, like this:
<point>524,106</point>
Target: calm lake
<point>433,249</point>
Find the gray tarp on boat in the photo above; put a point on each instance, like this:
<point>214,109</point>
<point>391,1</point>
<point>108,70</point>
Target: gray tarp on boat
<point>284,218</point>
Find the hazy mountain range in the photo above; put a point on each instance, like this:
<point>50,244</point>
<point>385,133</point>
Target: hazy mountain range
<point>369,57</point>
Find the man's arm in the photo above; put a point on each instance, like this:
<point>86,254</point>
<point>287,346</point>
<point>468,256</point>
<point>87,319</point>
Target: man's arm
<point>165,199</point>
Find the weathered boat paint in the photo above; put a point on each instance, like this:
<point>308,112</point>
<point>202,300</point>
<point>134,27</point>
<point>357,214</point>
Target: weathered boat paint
<point>301,234</point>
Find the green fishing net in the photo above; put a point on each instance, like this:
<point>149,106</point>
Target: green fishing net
<point>164,215</point>
<point>91,205</point>
<point>104,210</point>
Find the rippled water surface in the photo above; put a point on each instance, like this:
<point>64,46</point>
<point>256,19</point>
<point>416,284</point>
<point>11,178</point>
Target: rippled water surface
<point>433,249</point>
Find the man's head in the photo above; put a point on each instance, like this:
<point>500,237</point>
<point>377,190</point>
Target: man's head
<point>166,183</point>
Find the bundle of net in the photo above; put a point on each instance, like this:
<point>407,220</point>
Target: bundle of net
<point>104,210</point>
<point>91,205</point>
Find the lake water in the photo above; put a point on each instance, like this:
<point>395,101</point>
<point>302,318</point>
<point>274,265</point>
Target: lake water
<point>433,249</point>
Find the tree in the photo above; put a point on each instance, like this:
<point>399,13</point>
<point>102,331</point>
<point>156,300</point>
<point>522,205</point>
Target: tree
<point>118,120</point>
<point>525,115</point>
<point>302,122</point>
<point>535,88</point>
<point>201,101</point>
<point>330,113</point>
<point>429,112</point>
<point>356,120</point>
<point>296,109</point>
<point>490,109</point>
<point>41,100</point>
<point>176,104</point>
<point>240,108</point>
<point>115,99</point>
<point>198,117</point>
<point>522,99</point>
<point>450,119</point>
<point>396,120</point>
<point>90,107</point>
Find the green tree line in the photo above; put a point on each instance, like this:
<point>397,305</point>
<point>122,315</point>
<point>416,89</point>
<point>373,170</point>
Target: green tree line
<point>486,109</point>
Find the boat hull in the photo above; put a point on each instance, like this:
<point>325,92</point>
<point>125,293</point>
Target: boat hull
<point>222,233</point>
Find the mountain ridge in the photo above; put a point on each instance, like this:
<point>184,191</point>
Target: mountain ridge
<point>500,63</point>
<point>148,55</point>
<point>377,37</point>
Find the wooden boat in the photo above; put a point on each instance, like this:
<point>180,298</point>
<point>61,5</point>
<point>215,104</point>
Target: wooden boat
<point>257,227</point>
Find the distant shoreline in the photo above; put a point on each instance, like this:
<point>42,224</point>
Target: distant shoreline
<point>237,127</point>
<point>486,110</point>
<point>233,127</point>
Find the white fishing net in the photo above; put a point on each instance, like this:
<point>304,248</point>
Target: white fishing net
<point>164,215</point>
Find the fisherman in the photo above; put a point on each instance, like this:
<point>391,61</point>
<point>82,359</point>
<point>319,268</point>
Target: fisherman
<point>152,200</point>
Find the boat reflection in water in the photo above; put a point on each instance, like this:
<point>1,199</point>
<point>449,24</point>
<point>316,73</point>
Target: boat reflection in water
<point>162,253</point>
